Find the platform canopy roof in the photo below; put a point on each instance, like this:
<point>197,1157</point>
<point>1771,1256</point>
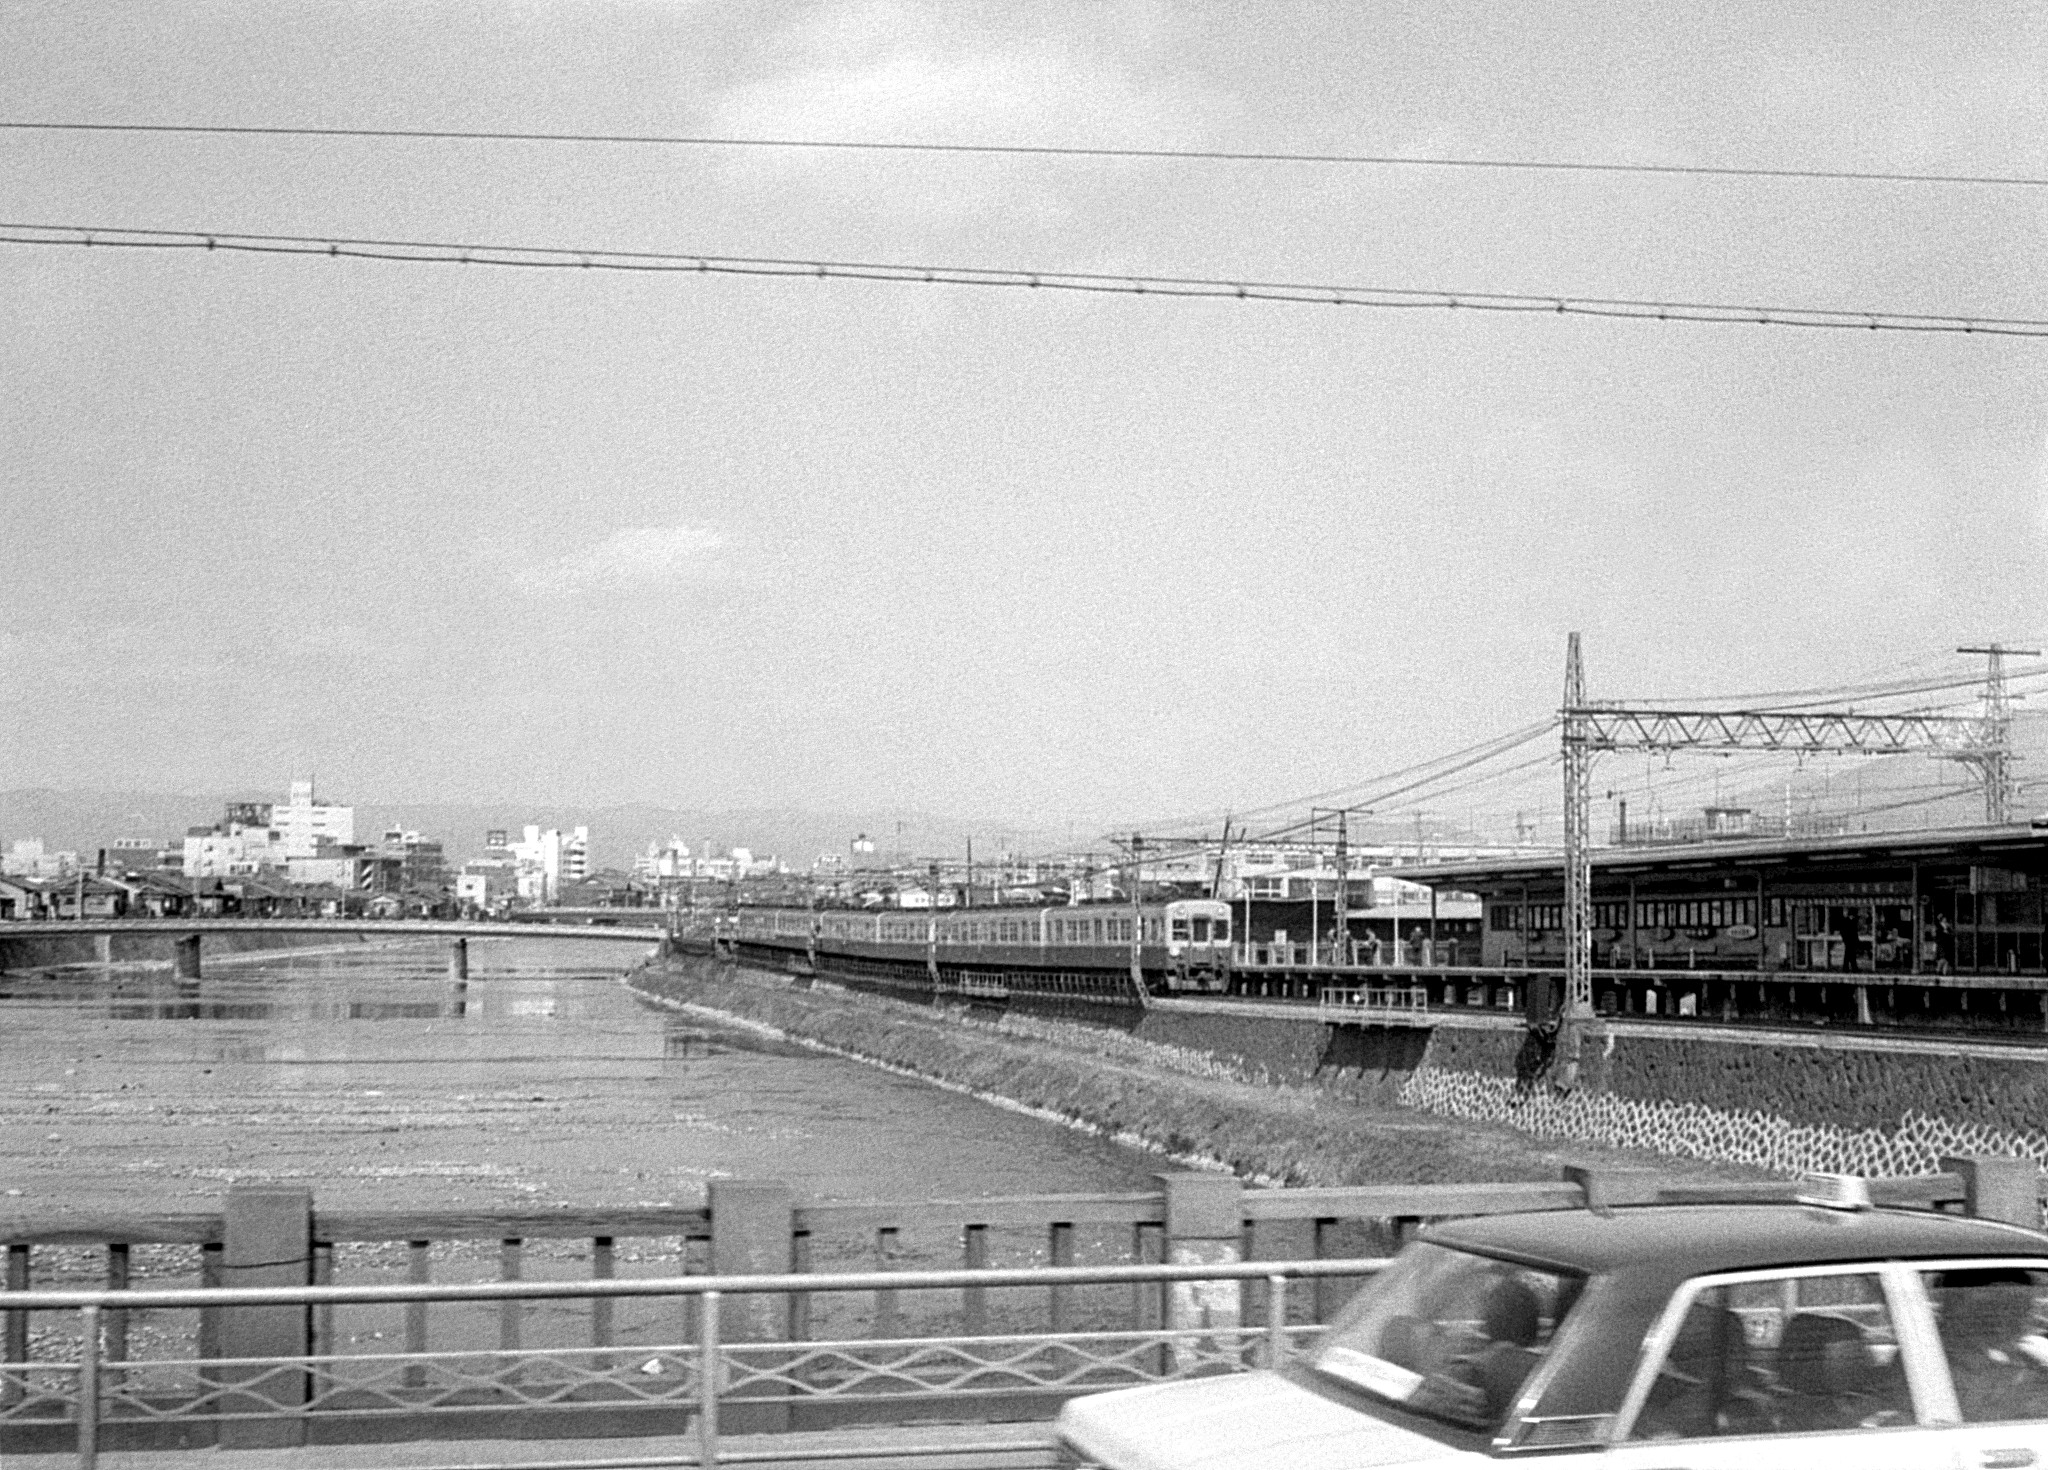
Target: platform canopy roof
<point>2008,847</point>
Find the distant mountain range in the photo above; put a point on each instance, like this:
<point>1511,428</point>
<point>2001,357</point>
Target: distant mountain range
<point>84,821</point>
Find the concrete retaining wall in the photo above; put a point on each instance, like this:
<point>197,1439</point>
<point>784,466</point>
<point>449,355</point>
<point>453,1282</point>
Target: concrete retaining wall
<point>1837,1086</point>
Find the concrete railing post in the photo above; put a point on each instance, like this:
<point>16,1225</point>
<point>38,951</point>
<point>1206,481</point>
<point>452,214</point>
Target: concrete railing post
<point>1204,1227</point>
<point>458,960</point>
<point>2004,1189</point>
<point>185,957</point>
<point>753,1227</point>
<point>267,1240</point>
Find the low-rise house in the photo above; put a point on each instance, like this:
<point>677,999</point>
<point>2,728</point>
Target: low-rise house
<point>20,898</point>
<point>609,889</point>
<point>100,898</point>
<point>157,895</point>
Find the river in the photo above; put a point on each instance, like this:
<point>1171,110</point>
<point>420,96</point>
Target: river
<point>370,1078</point>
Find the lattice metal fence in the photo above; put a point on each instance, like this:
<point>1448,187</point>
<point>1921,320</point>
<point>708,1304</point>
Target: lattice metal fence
<point>94,1390</point>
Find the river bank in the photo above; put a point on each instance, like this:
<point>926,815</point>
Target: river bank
<point>1195,1105</point>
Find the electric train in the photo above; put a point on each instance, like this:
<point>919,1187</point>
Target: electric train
<point>1183,946</point>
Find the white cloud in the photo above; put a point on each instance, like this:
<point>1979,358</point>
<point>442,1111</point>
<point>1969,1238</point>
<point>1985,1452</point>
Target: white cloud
<point>871,73</point>
<point>633,557</point>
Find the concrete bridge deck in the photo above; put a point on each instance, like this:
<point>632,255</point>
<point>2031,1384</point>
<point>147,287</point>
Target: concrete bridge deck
<point>588,929</point>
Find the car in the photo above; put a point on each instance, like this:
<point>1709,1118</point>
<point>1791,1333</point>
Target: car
<point>1654,1337</point>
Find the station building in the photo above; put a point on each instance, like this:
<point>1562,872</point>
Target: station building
<point>1941,927</point>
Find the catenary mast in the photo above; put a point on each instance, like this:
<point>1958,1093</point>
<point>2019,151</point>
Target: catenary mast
<point>1589,728</point>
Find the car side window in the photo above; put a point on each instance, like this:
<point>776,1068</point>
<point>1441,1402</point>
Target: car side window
<point>1990,1320</point>
<point>1787,1355</point>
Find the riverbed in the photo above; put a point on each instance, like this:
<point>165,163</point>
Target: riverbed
<point>372,1079</point>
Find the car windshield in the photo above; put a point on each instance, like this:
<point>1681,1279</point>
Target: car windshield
<point>1449,1334</point>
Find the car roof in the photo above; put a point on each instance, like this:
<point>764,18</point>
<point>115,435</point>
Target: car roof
<point>1679,1241</point>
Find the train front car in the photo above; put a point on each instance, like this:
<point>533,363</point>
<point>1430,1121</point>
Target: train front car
<point>1198,947</point>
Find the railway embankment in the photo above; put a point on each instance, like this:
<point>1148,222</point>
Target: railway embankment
<point>1302,1102</point>
<point>1269,1099</point>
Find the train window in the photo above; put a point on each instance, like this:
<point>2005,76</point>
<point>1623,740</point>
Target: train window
<point>1222,931</point>
<point>1201,931</point>
<point>1180,931</point>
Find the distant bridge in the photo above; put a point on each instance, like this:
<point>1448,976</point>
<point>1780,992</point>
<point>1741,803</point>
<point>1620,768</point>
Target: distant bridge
<point>189,934</point>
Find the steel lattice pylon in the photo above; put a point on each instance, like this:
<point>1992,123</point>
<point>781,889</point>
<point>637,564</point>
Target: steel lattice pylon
<point>1981,742</point>
<point>1578,866</point>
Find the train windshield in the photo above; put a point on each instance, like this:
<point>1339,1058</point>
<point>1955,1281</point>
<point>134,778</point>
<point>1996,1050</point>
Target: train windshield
<point>1201,928</point>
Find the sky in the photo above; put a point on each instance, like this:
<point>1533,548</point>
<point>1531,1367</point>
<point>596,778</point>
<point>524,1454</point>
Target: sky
<point>454,533</point>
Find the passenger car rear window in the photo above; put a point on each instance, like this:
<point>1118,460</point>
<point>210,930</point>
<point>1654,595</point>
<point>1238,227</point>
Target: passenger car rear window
<point>1449,1334</point>
<point>1786,1355</point>
<point>1990,1320</point>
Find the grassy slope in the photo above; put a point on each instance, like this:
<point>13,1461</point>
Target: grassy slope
<point>1178,1101</point>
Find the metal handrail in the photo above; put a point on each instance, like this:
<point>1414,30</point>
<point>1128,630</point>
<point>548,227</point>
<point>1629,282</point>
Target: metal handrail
<point>709,1290</point>
<point>789,1281</point>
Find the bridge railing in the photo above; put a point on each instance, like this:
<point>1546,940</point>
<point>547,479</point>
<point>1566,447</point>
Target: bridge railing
<point>723,1375</point>
<point>434,1323</point>
<point>1381,998</point>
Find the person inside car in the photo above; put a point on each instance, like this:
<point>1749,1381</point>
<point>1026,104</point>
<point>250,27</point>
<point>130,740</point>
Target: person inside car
<point>1994,1357</point>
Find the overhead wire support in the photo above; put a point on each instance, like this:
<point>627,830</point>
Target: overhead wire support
<point>1590,728</point>
<point>1994,763</point>
<point>1578,866</point>
<point>547,257</point>
<point>1835,732</point>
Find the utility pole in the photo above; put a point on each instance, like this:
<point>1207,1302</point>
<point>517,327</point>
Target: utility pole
<point>1994,764</point>
<point>1138,917</point>
<point>968,894</point>
<point>1340,927</point>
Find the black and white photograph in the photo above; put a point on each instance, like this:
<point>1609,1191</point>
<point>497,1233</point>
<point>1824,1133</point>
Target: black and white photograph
<point>944,736</point>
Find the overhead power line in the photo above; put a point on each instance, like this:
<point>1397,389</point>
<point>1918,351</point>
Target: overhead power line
<point>1033,150</point>
<point>424,252</point>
